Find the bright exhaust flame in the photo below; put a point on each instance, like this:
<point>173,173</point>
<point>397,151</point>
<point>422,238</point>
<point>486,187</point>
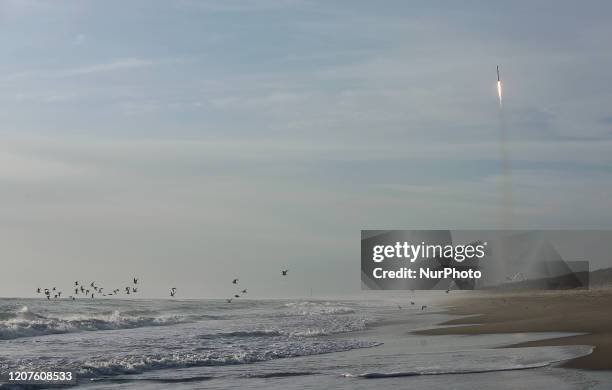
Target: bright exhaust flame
<point>499,92</point>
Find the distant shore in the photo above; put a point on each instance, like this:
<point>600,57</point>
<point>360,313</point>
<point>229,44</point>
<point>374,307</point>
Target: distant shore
<point>573,311</point>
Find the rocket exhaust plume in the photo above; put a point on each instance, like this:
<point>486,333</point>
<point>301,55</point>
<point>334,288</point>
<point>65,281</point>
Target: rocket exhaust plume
<point>499,87</point>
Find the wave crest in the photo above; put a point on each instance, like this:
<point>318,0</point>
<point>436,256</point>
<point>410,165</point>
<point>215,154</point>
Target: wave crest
<point>26,323</point>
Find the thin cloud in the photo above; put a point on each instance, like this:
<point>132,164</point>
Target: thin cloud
<point>120,64</point>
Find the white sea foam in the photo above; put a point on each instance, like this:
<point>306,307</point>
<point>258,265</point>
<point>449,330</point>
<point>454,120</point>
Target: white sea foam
<point>25,323</point>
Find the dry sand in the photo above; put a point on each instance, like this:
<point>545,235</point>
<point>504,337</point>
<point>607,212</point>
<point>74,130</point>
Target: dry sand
<point>585,311</point>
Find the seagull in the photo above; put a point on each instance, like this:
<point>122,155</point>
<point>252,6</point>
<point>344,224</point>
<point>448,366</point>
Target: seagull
<point>284,272</point>
<point>76,291</point>
<point>59,294</point>
<point>135,280</point>
<point>229,300</point>
<point>173,291</point>
<point>236,296</point>
<point>53,289</point>
<point>55,296</point>
<point>412,303</point>
<point>423,307</point>
<point>92,296</point>
<point>86,292</point>
<point>82,289</point>
<point>76,283</point>
<point>38,290</point>
<point>134,289</point>
<point>92,284</point>
<point>244,291</point>
<point>235,281</point>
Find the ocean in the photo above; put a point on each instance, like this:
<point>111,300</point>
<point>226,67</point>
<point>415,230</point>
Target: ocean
<point>272,344</point>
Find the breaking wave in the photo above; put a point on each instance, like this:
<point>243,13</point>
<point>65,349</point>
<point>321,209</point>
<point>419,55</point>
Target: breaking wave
<point>25,323</point>
<point>136,364</point>
<point>309,308</point>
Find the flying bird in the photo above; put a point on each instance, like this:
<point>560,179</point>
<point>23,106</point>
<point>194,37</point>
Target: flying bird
<point>244,291</point>
<point>135,280</point>
<point>284,272</point>
<point>235,281</point>
<point>229,300</point>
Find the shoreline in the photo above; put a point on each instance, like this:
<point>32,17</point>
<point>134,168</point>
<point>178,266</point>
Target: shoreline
<point>570,311</point>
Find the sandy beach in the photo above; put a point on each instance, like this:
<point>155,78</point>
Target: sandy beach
<point>585,311</point>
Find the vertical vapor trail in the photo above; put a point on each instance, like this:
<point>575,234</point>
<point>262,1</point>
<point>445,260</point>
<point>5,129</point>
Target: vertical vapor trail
<point>506,184</point>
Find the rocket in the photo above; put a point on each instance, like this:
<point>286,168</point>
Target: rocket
<point>498,73</point>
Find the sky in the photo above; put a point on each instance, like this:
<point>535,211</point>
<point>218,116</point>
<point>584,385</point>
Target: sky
<point>191,142</point>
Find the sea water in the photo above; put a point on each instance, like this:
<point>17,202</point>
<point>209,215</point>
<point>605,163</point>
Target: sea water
<point>262,344</point>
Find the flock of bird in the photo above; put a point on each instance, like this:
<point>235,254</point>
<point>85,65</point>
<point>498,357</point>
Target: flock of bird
<point>91,291</point>
<point>243,291</point>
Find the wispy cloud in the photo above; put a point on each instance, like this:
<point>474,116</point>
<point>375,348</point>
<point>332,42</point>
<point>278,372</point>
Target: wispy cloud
<point>114,65</point>
<point>243,5</point>
<point>119,64</point>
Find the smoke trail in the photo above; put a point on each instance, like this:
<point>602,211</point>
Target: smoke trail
<point>506,184</point>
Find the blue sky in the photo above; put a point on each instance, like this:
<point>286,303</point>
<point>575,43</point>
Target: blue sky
<point>192,141</point>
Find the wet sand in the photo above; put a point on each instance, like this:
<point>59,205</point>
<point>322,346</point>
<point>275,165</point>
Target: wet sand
<point>585,311</point>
